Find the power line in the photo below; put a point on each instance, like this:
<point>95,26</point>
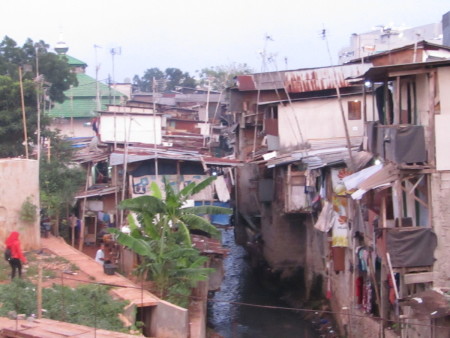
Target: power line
<point>271,307</point>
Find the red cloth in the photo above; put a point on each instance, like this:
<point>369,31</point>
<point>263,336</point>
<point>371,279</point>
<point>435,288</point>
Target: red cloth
<point>359,282</point>
<point>13,243</point>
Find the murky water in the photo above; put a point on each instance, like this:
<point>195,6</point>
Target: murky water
<point>241,286</point>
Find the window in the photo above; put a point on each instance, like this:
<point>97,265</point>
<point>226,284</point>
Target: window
<point>354,110</point>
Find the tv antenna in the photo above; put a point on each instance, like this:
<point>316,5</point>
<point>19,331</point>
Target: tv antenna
<point>114,51</point>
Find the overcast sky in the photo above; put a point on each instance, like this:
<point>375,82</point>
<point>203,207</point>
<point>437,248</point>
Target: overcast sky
<point>194,34</point>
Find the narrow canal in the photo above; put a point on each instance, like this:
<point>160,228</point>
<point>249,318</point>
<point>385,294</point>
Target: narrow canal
<point>240,285</point>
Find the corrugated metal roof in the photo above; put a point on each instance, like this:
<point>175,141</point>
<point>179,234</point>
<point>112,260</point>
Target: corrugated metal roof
<point>420,44</point>
<point>245,82</point>
<point>322,78</point>
<point>321,153</point>
<point>136,154</point>
<point>48,328</point>
<point>208,245</point>
<point>302,80</point>
<point>383,73</point>
<point>101,191</point>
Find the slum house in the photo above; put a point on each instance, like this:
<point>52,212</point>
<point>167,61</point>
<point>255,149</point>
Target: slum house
<point>421,51</point>
<point>395,264</point>
<point>292,138</point>
<point>386,38</point>
<point>138,154</point>
<point>210,105</point>
<point>179,157</point>
<point>186,110</point>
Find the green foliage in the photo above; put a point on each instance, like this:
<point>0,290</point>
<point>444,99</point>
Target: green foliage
<point>4,270</point>
<point>89,305</point>
<point>59,179</point>
<point>171,78</point>
<point>19,296</point>
<point>221,77</point>
<point>53,71</point>
<point>162,239</point>
<point>28,211</point>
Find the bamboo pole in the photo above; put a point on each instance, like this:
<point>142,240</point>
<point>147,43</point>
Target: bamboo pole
<point>39,292</point>
<point>82,226</point>
<point>24,117</point>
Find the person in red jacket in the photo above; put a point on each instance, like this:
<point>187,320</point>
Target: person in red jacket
<point>17,257</point>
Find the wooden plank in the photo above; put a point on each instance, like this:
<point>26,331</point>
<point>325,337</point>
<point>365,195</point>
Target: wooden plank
<point>421,277</point>
<point>409,72</point>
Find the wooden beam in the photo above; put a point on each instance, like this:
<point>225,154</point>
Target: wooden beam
<point>409,72</point>
<point>416,198</point>
<point>396,112</point>
<point>431,124</point>
<point>421,277</point>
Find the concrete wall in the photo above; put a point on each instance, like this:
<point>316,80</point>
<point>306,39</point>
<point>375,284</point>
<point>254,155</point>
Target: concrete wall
<point>247,189</point>
<point>284,238</point>
<point>169,321</point>
<point>19,180</point>
<point>440,185</point>
<point>73,128</point>
<point>444,84</point>
<point>317,119</point>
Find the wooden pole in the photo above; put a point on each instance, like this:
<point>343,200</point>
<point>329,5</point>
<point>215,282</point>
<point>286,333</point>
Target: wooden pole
<point>24,116</point>
<point>81,235</point>
<point>39,292</point>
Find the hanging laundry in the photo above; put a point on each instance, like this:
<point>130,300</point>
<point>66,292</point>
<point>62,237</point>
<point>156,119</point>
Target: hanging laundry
<point>359,283</point>
<point>340,225</point>
<point>326,218</point>
<point>367,297</point>
<point>337,176</point>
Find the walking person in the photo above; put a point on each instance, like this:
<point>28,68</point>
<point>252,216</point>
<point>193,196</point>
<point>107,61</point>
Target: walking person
<point>17,257</point>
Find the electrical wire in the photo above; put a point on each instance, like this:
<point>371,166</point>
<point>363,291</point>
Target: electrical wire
<point>272,307</point>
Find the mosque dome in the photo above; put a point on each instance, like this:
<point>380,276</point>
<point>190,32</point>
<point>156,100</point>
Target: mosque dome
<point>61,47</point>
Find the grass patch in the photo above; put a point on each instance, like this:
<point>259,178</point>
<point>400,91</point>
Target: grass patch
<point>32,271</point>
<point>89,305</point>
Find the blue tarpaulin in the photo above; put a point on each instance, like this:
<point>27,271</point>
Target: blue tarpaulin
<point>220,219</point>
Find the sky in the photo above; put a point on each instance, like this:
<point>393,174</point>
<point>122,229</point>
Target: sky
<point>195,34</point>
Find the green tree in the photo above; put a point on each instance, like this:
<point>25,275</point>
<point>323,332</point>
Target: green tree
<point>162,238</point>
<point>170,79</point>
<point>54,78</point>
<point>59,179</point>
<point>220,77</point>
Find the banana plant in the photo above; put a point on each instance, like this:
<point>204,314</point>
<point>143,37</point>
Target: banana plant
<point>160,228</point>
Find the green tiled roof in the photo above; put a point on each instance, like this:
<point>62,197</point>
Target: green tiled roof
<point>86,87</point>
<point>78,107</point>
<point>74,62</point>
<point>80,100</point>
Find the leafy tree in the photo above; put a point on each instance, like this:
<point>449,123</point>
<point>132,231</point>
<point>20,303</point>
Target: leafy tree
<point>220,77</point>
<point>171,78</point>
<point>162,238</point>
<point>59,178</point>
<point>55,77</point>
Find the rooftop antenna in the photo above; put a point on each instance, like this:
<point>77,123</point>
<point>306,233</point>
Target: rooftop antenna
<point>267,38</point>
<point>338,93</point>
<point>97,90</point>
<point>114,51</point>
